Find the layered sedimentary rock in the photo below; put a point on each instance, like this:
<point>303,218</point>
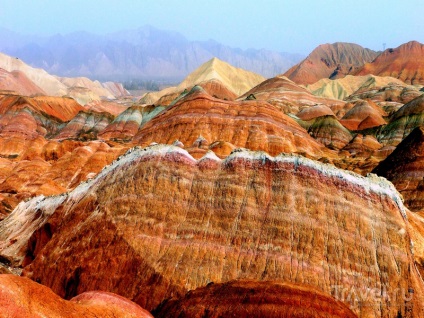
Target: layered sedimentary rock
<point>157,223</point>
<point>21,297</point>
<point>235,79</point>
<point>343,87</point>
<point>330,61</point>
<point>365,114</point>
<point>85,126</point>
<point>125,126</point>
<point>104,106</point>
<point>363,144</point>
<point>51,167</point>
<point>18,83</point>
<point>405,62</point>
<point>287,95</point>
<point>82,89</point>
<point>328,131</point>
<point>403,121</point>
<point>251,124</point>
<point>392,93</point>
<point>405,168</point>
<point>215,76</point>
<point>255,299</point>
<point>310,113</point>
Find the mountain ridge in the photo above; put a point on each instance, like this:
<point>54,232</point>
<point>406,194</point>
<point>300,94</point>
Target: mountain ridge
<point>136,53</point>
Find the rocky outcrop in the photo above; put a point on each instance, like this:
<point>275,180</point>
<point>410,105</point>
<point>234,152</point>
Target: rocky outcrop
<point>342,88</point>
<point>405,62</point>
<point>21,297</point>
<point>85,126</point>
<point>404,167</point>
<point>287,95</point>
<point>157,223</point>
<point>51,167</point>
<point>403,121</point>
<point>328,131</point>
<point>255,299</point>
<point>254,124</point>
<point>364,115</point>
<point>125,126</point>
<point>330,61</point>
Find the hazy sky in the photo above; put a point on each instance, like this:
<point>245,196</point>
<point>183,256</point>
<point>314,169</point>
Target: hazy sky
<point>295,26</point>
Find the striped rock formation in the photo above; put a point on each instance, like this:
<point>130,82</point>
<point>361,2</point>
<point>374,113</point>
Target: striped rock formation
<point>158,223</point>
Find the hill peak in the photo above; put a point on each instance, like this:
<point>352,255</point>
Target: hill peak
<point>330,61</point>
<point>236,79</point>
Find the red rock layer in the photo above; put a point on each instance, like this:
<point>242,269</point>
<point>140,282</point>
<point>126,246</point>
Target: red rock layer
<point>158,223</point>
<point>217,89</point>
<point>21,297</point>
<point>287,95</point>
<point>405,62</point>
<point>404,167</point>
<point>364,115</point>
<point>309,113</point>
<point>18,83</point>
<point>51,168</point>
<point>255,299</point>
<point>104,106</point>
<point>125,126</point>
<point>328,131</point>
<point>85,126</point>
<point>403,122</point>
<point>330,61</point>
<point>255,125</point>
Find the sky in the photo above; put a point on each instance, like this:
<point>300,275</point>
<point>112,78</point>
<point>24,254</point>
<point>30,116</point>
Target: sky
<point>295,26</point>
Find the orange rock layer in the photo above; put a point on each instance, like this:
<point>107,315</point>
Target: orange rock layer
<point>158,223</point>
<point>21,298</point>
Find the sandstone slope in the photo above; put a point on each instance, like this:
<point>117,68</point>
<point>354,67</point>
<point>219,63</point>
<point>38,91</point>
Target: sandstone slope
<point>330,61</point>
<point>341,88</point>
<point>405,62</point>
<point>287,95</point>
<point>404,167</point>
<point>255,299</point>
<point>21,297</point>
<point>17,82</point>
<point>236,79</point>
<point>252,124</point>
<point>157,223</point>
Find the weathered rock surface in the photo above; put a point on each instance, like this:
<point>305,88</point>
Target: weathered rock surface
<point>21,297</point>
<point>405,62</point>
<point>403,121</point>
<point>85,126</point>
<point>255,125</point>
<point>330,132</point>
<point>404,167</point>
<point>365,114</point>
<point>237,80</point>
<point>18,83</point>
<point>125,126</point>
<point>341,88</point>
<point>330,61</point>
<point>287,95</point>
<point>215,76</point>
<point>255,299</point>
<point>157,223</point>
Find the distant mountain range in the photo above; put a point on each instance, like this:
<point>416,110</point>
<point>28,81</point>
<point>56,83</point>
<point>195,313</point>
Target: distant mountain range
<point>145,53</point>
